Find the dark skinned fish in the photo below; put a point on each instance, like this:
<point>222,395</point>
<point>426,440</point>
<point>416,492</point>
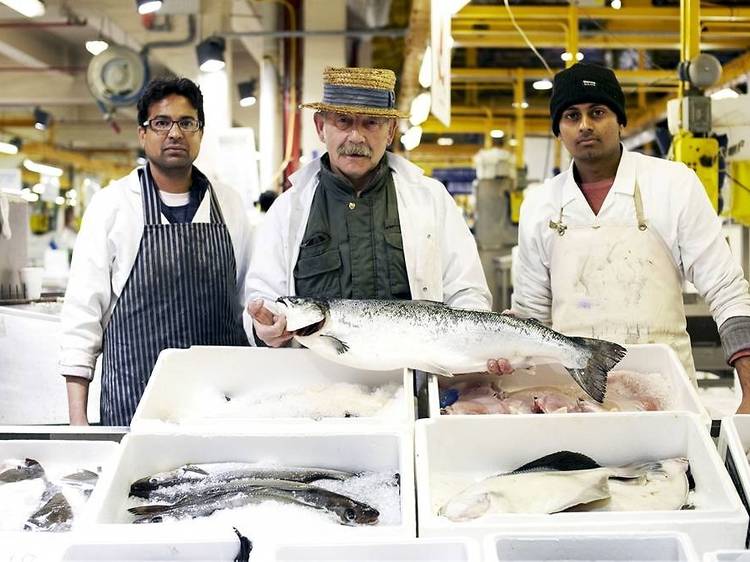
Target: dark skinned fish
<point>432,337</point>
<point>14,470</point>
<point>55,514</point>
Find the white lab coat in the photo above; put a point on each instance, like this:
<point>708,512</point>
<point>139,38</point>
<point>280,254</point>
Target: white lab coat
<point>442,261</point>
<point>676,208</point>
<point>103,258</point>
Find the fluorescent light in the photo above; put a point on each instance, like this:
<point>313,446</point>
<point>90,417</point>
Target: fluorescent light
<point>542,85</point>
<point>725,93</point>
<point>420,108</point>
<point>497,133</point>
<point>425,69</point>
<point>39,188</point>
<point>566,56</point>
<point>513,142</point>
<point>28,8</point>
<point>248,101</point>
<point>411,138</point>
<point>579,56</point>
<point>60,200</point>
<point>8,148</point>
<point>42,169</point>
<point>30,197</point>
<point>96,46</point>
<point>445,141</point>
<point>616,4</point>
<point>523,105</point>
<point>148,6</point>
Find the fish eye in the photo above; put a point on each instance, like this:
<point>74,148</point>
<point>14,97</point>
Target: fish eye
<point>350,514</point>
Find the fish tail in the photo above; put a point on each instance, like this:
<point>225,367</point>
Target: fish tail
<point>603,356</point>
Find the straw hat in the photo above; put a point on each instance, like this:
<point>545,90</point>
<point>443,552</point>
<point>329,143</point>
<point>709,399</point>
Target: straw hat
<point>361,91</point>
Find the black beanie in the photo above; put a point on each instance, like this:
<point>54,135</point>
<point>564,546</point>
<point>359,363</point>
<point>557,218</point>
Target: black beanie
<point>585,83</point>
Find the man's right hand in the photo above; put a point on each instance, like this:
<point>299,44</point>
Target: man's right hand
<point>269,327</point>
<point>501,366</point>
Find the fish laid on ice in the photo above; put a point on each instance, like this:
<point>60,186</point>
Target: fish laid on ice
<point>55,514</point>
<point>237,493</point>
<point>572,481</point>
<point>13,470</point>
<point>432,337</point>
<point>227,471</point>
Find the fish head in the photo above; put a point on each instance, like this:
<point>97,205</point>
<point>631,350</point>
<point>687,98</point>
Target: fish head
<point>302,313</point>
<point>357,513</point>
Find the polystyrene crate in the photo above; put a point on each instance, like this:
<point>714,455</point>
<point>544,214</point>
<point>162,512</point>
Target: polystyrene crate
<point>182,380</point>
<point>734,440</point>
<point>727,556</point>
<point>38,546</point>
<point>590,547</point>
<point>412,550</point>
<point>455,451</point>
<point>377,450</point>
<point>641,358</point>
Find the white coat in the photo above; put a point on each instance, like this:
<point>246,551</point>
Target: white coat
<point>442,261</point>
<point>677,209</point>
<point>103,258</point>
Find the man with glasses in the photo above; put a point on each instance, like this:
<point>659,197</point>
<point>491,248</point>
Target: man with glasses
<point>159,263</point>
<point>360,222</point>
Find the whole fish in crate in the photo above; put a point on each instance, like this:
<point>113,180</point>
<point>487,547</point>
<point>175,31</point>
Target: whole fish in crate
<point>433,337</point>
<point>15,470</point>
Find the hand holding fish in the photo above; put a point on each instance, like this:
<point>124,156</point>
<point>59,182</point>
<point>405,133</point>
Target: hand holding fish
<point>269,327</point>
<point>501,366</point>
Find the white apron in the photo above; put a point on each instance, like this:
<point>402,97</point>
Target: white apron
<point>618,283</point>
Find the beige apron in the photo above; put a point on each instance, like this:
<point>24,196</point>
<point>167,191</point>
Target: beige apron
<point>618,283</point>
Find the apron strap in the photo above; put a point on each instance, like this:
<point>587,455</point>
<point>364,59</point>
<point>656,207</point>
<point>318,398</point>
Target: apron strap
<point>151,212</point>
<point>217,217</point>
<point>639,208</point>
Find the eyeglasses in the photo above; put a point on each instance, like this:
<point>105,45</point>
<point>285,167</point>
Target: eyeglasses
<point>164,124</point>
<point>344,122</point>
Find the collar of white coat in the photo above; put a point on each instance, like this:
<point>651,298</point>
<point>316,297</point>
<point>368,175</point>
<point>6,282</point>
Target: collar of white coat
<point>411,173</point>
<point>624,178</point>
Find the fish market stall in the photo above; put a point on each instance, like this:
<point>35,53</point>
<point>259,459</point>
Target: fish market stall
<point>590,547</point>
<point>465,489</point>
<point>649,378</point>
<point>44,492</point>
<point>223,386</point>
<point>314,484</point>
<point>734,447</point>
<point>405,550</point>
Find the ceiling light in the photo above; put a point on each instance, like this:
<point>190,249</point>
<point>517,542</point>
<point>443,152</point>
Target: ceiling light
<point>523,105</point>
<point>542,85</point>
<point>148,6</point>
<point>513,142</point>
<point>725,93</point>
<point>28,8</point>
<point>60,200</point>
<point>96,46</point>
<point>42,169</point>
<point>616,4</point>
<point>41,119</point>
<point>425,69</point>
<point>211,54</point>
<point>497,133</point>
<point>579,56</point>
<point>411,138</point>
<point>420,108</point>
<point>247,93</point>
<point>445,141</point>
<point>30,197</point>
<point>566,56</point>
<point>8,148</point>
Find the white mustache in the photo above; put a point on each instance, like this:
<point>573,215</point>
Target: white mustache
<point>354,150</point>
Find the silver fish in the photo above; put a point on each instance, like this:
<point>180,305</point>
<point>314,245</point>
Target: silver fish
<point>13,470</point>
<point>83,480</point>
<point>432,337</point>
<point>227,471</point>
<point>237,493</point>
<point>55,513</point>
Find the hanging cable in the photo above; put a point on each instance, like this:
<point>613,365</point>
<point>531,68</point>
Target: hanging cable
<point>526,39</point>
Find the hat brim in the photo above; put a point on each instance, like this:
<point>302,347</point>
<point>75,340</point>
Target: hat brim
<point>356,110</point>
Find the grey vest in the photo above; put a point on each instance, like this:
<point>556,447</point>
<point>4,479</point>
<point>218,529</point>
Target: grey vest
<point>352,247</point>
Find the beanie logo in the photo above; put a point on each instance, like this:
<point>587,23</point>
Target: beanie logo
<point>589,83</point>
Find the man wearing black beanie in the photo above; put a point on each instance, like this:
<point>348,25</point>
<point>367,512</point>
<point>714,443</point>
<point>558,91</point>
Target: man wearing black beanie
<point>604,247</point>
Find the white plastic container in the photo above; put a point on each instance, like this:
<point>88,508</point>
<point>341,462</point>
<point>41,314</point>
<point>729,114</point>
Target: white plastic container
<point>734,440</point>
<point>455,451</point>
<point>728,556</point>
<point>641,358</point>
<point>378,450</point>
<point>590,547</point>
<point>183,380</point>
<point>412,550</point>
<point>54,456</point>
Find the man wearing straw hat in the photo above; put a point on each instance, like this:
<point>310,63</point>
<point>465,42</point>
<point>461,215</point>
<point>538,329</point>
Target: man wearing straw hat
<point>360,222</point>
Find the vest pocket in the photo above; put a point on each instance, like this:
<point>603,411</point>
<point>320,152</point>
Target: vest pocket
<point>318,274</point>
<point>399,279</point>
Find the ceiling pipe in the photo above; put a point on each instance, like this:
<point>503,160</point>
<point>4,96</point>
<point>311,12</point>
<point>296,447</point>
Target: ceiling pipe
<point>189,40</point>
<point>386,32</point>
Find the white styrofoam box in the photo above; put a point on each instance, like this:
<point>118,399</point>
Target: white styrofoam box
<point>734,440</point>
<point>727,556</point>
<point>641,358</point>
<point>407,550</point>
<point>54,456</point>
<point>374,449</point>
<point>590,547</point>
<point>453,452</point>
<point>183,379</point>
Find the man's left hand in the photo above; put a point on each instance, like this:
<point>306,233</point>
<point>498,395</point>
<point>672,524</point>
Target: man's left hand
<point>499,367</point>
<point>743,373</point>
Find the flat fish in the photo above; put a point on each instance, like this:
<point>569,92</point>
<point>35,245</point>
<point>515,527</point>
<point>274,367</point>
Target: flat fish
<point>13,470</point>
<point>83,480</point>
<point>433,337</point>
<point>55,513</point>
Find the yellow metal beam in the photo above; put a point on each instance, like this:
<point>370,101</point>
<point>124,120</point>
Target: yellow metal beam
<point>482,125</point>
<point>572,39</point>
<point>500,75</point>
<point>638,13</point>
<point>519,130</point>
<point>690,29</point>
<point>51,154</point>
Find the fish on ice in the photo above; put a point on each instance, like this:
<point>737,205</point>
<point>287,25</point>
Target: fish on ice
<point>433,337</point>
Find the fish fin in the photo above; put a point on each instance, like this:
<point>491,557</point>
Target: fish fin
<point>340,346</point>
<point>604,355</point>
<point>150,509</point>
<point>194,468</point>
<point>561,460</point>
<point>425,301</point>
<point>435,369</point>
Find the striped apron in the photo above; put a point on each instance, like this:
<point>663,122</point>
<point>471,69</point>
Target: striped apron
<point>181,292</point>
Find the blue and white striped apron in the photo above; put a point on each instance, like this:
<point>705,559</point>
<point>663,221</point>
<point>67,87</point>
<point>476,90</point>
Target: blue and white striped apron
<point>181,292</point>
